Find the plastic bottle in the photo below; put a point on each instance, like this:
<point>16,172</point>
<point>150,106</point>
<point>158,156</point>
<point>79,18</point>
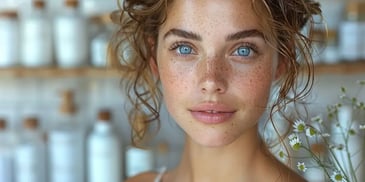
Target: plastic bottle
<point>138,160</point>
<point>6,157</point>
<point>30,153</point>
<point>71,37</point>
<point>330,53</point>
<point>362,25</point>
<point>36,36</point>
<point>104,151</point>
<point>100,42</point>
<point>66,145</point>
<point>350,32</point>
<point>9,37</point>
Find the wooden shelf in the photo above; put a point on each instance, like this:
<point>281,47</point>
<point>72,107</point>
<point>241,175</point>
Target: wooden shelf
<point>54,72</point>
<point>346,68</point>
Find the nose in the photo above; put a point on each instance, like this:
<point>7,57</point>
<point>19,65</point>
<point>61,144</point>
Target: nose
<point>213,76</point>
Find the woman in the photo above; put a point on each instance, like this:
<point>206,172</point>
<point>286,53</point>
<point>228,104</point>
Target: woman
<point>217,63</point>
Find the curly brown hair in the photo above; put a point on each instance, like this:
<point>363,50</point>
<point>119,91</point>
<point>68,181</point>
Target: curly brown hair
<point>139,22</point>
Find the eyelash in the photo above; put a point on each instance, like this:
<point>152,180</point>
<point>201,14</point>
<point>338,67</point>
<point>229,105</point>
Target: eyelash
<point>176,45</point>
<point>250,46</point>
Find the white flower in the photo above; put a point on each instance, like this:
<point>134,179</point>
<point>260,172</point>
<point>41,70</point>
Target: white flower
<point>326,135</point>
<point>295,142</point>
<point>362,127</point>
<point>282,154</point>
<point>292,136</point>
<point>337,177</point>
<point>299,126</point>
<point>301,166</point>
<point>310,132</point>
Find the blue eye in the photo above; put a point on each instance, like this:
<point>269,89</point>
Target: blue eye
<point>243,51</point>
<point>184,49</point>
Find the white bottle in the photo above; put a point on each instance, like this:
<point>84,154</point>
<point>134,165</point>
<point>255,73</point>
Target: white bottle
<point>6,157</point>
<point>71,37</point>
<point>30,154</point>
<point>66,145</point>
<point>104,152</point>
<point>138,160</point>
<point>100,42</point>
<point>36,36</point>
<point>9,37</point>
<point>350,33</point>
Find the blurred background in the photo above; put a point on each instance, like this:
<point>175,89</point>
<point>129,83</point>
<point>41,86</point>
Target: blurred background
<point>53,69</point>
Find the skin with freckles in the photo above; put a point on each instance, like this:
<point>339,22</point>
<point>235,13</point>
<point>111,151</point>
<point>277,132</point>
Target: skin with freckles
<point>213,75</point>
<point>216,68</point>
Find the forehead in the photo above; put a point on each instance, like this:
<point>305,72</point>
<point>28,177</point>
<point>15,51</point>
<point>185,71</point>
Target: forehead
<point>216,15</point>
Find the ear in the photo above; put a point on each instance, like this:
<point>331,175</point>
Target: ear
<point>280,68</point>
<point>153,66</point>
<point>152,59</point>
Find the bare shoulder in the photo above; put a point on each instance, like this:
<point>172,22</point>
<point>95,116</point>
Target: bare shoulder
<point>143,177</point>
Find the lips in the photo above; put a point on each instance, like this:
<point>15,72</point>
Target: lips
<point>212,113</point>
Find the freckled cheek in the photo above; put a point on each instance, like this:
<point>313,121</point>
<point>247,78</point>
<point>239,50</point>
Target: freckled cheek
<point>174,79</point>
<point>256,83</point>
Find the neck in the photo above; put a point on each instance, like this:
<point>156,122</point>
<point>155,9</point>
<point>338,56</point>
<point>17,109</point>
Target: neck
<point>233,162</point>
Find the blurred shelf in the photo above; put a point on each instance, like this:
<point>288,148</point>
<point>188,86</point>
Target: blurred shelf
<point>344,68</point>
<point>54,72</point>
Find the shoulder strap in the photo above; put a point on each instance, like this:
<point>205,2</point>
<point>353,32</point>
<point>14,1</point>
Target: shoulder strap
<point>160,174</point>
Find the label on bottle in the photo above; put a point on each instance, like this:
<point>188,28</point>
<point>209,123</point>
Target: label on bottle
<point>104,156</point>
<point>65,156</point>
<point>6,166</point>
<point>349,40</point>
<point>362,25</point>
<point>8,42</point>
<point>36,43</point>
<point>138,160</point>
<point>71,44</point>
<point>99,49</point>
<point>29,163</point>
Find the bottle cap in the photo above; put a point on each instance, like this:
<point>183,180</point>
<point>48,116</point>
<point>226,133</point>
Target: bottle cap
<point>40,4</point>
<point>2,124</point>
<point>72,3</point>
<point>31,123</point>
<point>104,116</point>
<point>355,11</point>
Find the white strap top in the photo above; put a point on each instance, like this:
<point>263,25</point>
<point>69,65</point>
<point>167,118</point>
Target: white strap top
<point>160,174</point>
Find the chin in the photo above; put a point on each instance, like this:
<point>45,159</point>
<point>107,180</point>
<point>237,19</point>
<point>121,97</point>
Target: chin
<point>214,139</point>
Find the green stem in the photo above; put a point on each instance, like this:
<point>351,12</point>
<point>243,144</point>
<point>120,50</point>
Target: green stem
<point>352,170</point>
<point>318,161</point>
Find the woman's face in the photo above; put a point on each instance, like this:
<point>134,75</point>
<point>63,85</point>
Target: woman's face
<point>216,68</point>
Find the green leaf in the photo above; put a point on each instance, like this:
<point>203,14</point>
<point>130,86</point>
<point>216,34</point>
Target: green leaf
<point>343,89</point>
<point>352,132</point>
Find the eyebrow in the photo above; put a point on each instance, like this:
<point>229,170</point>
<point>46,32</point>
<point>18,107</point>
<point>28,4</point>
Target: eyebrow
<point>245,33</point>
<point>183,34</point>
<point>235,36</point>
